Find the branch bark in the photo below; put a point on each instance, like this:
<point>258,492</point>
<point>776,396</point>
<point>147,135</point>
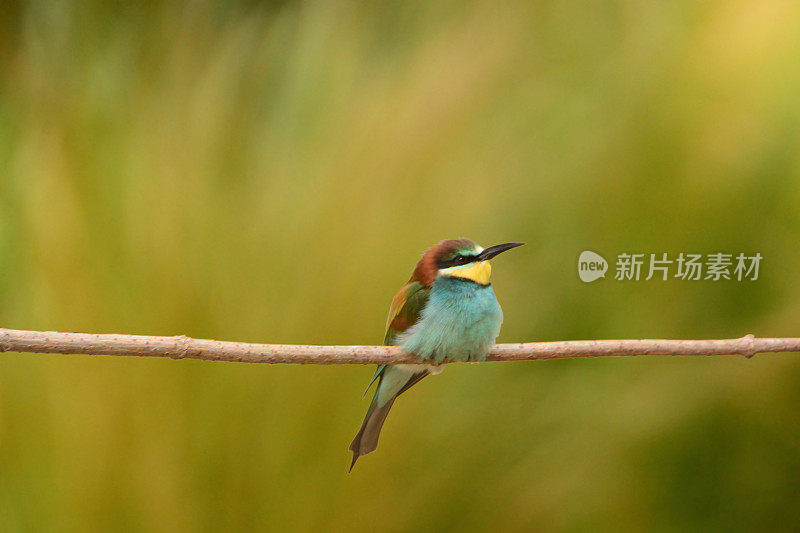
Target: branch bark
<point>182,347</point>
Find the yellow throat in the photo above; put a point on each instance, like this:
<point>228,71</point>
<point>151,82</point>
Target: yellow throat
<point>479,272</point>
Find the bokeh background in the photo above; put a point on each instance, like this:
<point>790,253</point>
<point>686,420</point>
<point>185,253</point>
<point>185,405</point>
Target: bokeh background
<point>270,172</point>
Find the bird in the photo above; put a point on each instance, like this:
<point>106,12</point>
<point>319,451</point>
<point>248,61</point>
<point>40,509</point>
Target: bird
<point>446,312</point>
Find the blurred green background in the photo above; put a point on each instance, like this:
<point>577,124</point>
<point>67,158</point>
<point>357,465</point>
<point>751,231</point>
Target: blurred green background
<point>271,172</point>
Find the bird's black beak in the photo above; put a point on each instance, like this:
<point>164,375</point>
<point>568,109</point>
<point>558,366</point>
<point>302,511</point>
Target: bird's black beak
<point>492,251</point>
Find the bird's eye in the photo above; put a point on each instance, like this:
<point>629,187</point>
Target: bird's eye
<point>460,260</point>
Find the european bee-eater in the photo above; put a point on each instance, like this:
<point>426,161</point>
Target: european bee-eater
<point>446,312</point>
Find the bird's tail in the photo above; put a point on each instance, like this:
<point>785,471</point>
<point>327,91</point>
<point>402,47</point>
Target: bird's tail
<point>394,381</point>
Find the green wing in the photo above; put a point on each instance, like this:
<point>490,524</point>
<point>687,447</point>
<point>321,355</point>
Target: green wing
<point>404,313</point>
<point>393,380</point>
<point>406,307</point>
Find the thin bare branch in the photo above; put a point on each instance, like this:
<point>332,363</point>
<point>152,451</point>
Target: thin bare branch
<point>182,347</point>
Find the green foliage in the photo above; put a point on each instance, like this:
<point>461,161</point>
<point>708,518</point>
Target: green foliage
<point>271,172</point>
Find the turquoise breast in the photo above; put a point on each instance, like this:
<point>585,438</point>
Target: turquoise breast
<point>459,323</point>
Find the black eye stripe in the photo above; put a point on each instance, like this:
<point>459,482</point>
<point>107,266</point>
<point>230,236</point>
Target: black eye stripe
<point>456,261</point>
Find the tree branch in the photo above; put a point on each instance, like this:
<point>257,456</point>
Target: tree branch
<point>182,347</point>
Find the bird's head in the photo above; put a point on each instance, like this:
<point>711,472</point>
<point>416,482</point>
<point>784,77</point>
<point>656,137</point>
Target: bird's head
<point>460,258</point>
